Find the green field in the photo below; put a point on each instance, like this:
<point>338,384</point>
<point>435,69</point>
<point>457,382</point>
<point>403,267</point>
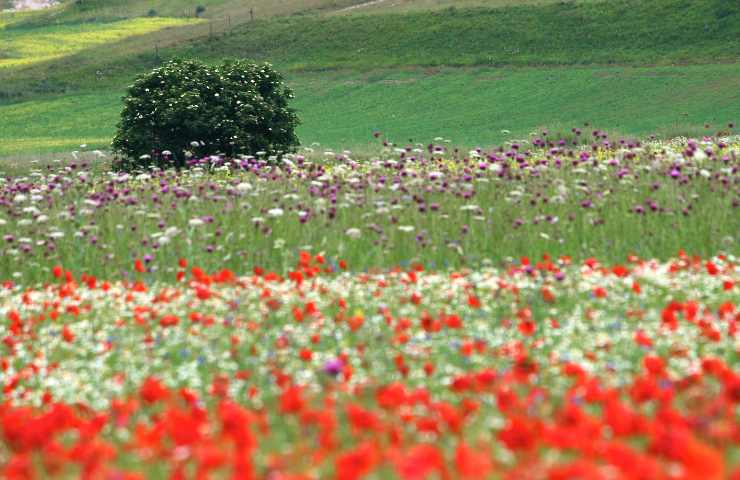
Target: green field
<point>664,32</point>
<point>385,6</point>
<point>43,44</point>
<point>620,32</point>
<point>469,106</point>
<point>413,71</point>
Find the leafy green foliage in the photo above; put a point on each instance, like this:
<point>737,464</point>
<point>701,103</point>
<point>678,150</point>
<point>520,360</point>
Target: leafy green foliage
<point>187,108</point>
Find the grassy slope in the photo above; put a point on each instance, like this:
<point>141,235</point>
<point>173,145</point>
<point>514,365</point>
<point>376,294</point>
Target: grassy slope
<point>469,106</point>
<point>385,6</point>
<point>127,56</point>
<point>43,44</point>
<point>379,82</point>
<point>623,31</point>
<point>105,10</point>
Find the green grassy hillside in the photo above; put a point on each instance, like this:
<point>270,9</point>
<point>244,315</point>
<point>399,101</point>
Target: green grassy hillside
<point>618,32</point>
<point>469,106</point>
<point>664,66</point>
<point>105,10</point>
<point>386,6</point>
<point>22,47</point>
<point>71,12</point>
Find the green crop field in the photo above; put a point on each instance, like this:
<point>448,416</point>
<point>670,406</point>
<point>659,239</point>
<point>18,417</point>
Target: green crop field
<point>27,46</point>
<point>468,106</point>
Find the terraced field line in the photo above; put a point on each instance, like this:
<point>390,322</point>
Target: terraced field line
<point>361,5</point>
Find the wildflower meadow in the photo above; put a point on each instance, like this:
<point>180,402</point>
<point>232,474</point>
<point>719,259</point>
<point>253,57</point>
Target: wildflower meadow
<point>369,240</point>
<point>560,307</point>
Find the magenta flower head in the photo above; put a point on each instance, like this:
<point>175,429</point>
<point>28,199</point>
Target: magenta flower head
<point>333,367</point>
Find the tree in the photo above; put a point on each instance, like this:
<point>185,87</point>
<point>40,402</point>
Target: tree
<point>186,108</point>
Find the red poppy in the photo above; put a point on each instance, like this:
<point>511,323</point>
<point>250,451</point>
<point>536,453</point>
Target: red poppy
<point>67,334</point>
<point>356,463</point>
<point>527,328</point>
<point>419,462</point>
<point>520,433</point>
<point>472,463</point>
<point>473,301</point>
<point>391,396</point>
<point>291,400</point>
<point>152,390</point>
<point>169,321</point>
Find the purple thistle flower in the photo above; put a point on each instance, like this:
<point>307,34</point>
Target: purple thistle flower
<point>333,367</point>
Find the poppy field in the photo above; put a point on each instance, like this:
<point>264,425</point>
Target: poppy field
<point>556,308</point>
